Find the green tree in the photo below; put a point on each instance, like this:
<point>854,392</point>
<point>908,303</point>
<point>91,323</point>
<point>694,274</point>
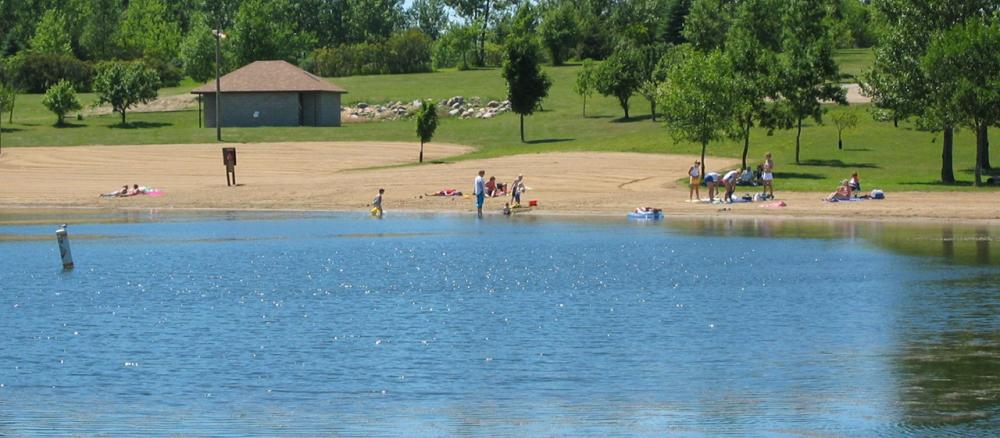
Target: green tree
<point>527,84</point>
<point>844,120</point>
<point>147,32</point>
<point>618,76</point>
<point>677,13</point>
<point>708,23</point>
<point>197,51</point>
<point>480,13</point>
<point>261,31</point>
<point>808,73</point>
<point>61,99</point>
<point>430,16</point>
<point>698,99</point>
<point>125,84</point>
<point>559,31</point>
<point>372,21</point>
<point>456,46</point>
<point>100,23</point>
<point>898,81</point>
<point>7,94</point>
<point>751,45</point>
<point>586,82</point>
<point>651,73</point>
<point>51,34</point>
<point>427,122</point>
<point>965,63</point>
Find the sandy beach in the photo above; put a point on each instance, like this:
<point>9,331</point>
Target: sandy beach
<point>345,176</point>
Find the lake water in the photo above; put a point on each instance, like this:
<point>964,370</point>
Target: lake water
<point>443,325</point>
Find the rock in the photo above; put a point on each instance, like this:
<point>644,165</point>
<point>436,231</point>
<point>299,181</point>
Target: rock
<point>493,104</point>
<point>416,103</point>
<point>488,115</point>
<point>468,113</point>
<point>454,112</point>
<point>362,105</point>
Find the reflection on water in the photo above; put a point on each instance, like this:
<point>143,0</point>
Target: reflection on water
<point>333,324</point>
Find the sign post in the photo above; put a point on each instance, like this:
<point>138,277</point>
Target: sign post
<point>229,159</point>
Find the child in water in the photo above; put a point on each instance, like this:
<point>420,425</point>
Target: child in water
<point>377,204</point>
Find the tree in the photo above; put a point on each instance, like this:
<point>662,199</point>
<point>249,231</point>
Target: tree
<point>197,52</point>
<point>618,76</point>
<point>707,23</point>
<point>559,31</point>
<point>6,104</point>
<point>651,73</point>
<point>898,81</point>
<point>808,72</point>
<point>430,16</point>
<point>427,122</point>
<point>124,85</point>
<point>372,21</point>
<point>261,31</point>
<point>527,84</point>
<point>844,120</point>
<point>100,23</point>
<point>698,99</point>
<point>51,35</point>
<point>751,46</point>
<point>146,32</point>
<point>61,99</point>
<point>964,62</point>
<point>586,82</point>
<point>479,13</point>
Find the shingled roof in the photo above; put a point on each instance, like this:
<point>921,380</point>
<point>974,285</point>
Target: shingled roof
<point>269,76</point>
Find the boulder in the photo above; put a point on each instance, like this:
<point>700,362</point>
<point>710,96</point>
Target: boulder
<point>454,112</point>
<point>362,105</point>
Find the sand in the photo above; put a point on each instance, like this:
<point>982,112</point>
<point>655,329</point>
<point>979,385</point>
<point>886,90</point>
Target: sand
<point>345,176</point>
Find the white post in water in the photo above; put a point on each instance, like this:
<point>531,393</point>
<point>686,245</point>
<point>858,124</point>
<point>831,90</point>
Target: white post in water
<point>63,238</point>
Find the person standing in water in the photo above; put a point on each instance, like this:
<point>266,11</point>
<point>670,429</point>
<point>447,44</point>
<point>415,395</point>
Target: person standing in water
<point>694,180</point>
<point>480,192</point>
<point>377,204</point>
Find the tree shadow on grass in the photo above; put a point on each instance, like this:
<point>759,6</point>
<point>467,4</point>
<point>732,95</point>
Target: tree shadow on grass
<point>838,163</point>
<point>937,183</point>
<point>857,150</point>
<point>6,129</point>
<point>549,140</point>
<point>797,175</point>
<point>986,172</point>
<point>597,116</point>
<point>140,125</point>
<point>67,125</point>
<point>632,119</point>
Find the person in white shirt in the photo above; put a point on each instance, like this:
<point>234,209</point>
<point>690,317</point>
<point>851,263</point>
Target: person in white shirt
<point>730,180</point>
<point>694,180</point>
<point>480,192</point>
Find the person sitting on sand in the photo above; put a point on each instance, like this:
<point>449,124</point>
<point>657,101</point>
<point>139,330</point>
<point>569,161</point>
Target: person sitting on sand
<point>843,193</point>
<point>694,181</point>
<point>712,180</point>
<point>855,184</point>
<point>135,190</point>
<point>493,188</point>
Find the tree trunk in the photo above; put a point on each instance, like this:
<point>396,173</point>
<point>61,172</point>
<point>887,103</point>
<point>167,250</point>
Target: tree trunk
<point>746,140</point>
<point>652,109</point>
<point>584,106</point>
<point>10,116</point>
<point>123,118</point>
<point>421,151</point>
<point>895,120</point>
<point>1,135</point>
<point>522,128</point>
<point>840,140</point>
<point>947,174</point>
<point>624,103</point>
<point>980,141</point>
<point>703,146</point>
<point>986,149</point>
<point>798,137</point>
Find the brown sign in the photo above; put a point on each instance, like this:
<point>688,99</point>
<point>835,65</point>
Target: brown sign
<point>229,157</point>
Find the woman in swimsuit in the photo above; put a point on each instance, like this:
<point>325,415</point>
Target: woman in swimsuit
<point>694,180</point>
<point>767,174</point>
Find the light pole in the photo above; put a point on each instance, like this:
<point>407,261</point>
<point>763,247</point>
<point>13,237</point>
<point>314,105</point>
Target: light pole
<point>219,36</point>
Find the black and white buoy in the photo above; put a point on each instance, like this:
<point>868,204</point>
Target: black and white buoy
<point>63,238</point>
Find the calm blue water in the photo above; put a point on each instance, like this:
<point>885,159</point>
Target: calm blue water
<point>440,325</point>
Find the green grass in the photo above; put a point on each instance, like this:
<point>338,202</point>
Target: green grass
<point>852,62</point>
<point>890,158</point>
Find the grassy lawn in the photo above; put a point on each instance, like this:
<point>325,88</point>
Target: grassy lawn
<point>889,158</point>
<point>852,62</point>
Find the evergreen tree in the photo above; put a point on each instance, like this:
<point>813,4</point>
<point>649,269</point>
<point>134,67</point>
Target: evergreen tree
<point>427,122</point>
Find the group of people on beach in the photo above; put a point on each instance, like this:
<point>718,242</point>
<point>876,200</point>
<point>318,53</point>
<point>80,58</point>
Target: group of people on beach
<point>729,180</point>
<point>492,189</point>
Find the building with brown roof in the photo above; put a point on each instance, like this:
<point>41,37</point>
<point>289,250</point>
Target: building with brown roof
<point>272,93</point>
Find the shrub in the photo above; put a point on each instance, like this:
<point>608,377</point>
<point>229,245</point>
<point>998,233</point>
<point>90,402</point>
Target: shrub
<point>408,52</point>
<point>61,99</point>
<point>36,72</point>
<point>405,52</point>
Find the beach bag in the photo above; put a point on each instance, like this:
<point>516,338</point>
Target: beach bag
<point>878,194</point>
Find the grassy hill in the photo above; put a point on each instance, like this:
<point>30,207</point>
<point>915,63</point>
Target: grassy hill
<point>887,157</point>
